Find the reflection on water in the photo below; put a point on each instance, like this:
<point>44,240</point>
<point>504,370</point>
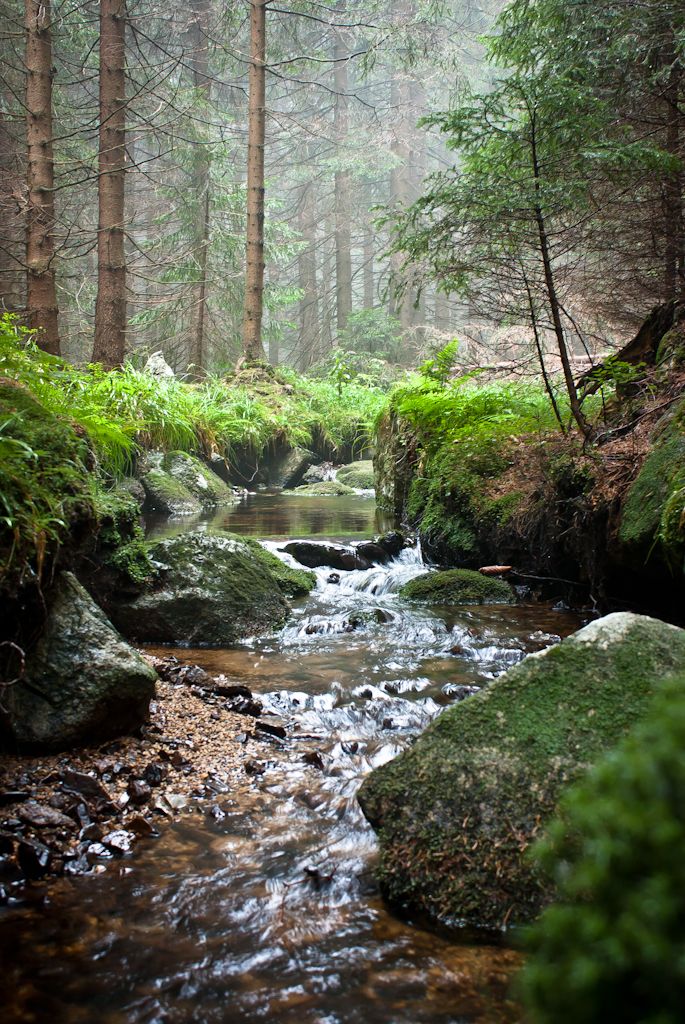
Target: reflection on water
<point>266,908</point>
<point>285,514</point>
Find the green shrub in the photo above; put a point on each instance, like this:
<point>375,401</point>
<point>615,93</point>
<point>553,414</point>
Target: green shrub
<point>613,947</point>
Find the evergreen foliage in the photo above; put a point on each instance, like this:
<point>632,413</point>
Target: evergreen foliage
<point>613,947</point>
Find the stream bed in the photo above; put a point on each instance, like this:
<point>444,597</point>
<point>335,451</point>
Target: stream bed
<point>266,909</point>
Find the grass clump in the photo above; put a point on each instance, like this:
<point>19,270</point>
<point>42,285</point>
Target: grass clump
<point>127,410</point>
<point>613,947</point>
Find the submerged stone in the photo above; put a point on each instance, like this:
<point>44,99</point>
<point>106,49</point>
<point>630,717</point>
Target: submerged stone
<point>458,586</point>
<point>82,683</point>
<point>456,813</point>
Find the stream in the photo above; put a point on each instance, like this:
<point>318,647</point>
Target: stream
<point>267,910</point>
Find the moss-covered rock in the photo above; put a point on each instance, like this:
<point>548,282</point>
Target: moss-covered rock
<point>653,513</point>
<point>325,489</point>
<point>177,483</point>
<point>82,682</point>
<point>293,582</point>
<point>209,590</point>
<point>457,812</point>
<point>120,540</point>
<point>458,586</point>
<point>358,475</point>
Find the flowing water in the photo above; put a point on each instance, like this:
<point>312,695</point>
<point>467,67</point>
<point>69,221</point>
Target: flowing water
<point>266,910</point>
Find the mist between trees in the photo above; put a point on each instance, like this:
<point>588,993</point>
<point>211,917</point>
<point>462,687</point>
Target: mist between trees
<point>211,180</point>
<point>124,169</point>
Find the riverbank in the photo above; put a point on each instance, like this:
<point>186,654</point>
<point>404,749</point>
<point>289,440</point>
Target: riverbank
<point>71,813</point>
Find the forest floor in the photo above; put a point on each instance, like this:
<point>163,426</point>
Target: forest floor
<point>71,812</point>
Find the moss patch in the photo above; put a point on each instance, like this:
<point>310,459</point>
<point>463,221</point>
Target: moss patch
<point>293,582</point>
<point>325,489</point>
<point>457,812</point>
<point>358,475</point>
<point>458,586</point>
<point>652,512</point>
<point>121,543</point>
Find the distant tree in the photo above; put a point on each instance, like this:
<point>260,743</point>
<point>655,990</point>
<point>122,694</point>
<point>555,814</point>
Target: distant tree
<point>254,274</point>
<point>110,307</point>
<point>41,296</point>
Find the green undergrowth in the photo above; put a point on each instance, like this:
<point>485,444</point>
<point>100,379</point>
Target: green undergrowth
<point>470,435</point>
<point>653,514</point>
<point>126,410</point>
<point>613,946</point>
<point>45,487</point>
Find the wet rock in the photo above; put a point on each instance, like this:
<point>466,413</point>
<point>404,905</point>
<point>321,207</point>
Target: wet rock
<point>96,851</point>
<point>41,816</point>
<point>456,812</point>
<point>155,774</point>
<point>77,866</point>
<point>92,833</point>
<point>139,792</point>
<point>334,578</point>
<point>287,468</point>
<point>372,552</point>
<point>458,586</point>
<point>88,786</point>
<point>176,483</point>
<point>313,555</point>
<point>392,542</point>
<point>120,841</point>
<point>244,706</point>
<point>210,590</point>
<point>141,826</point>
<point>82,681</point>
<point>254,768</point>
<point>33,858</point>
<point>13,796</point>
<point>272,727</point>
<point>314,758</point>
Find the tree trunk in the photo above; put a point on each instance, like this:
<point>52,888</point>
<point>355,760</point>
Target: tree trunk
<point>343,232</point>
<point>110,306</point>
<point>41,297</point>
<point>400,305</point>
<point>13,231</point>
<point>552,297</point>
<point>198,60</point>
<point>674,256</point>
<point>310,343</point>
<point>369,284</point>
<point>254,276</point>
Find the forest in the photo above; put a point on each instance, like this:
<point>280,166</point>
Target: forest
<point>342,511</point>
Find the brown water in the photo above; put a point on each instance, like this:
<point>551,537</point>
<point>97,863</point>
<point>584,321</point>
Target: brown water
<point>265,909</point>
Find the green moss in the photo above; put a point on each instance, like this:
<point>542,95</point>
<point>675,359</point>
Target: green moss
<point>326,489</point>
<point>457,811</point>
<point>671,348</point>
<point>169,495</point>
<point>121,541</point>
<point>45,496</point>
<point>458,586</point>
<point>357,474</point>
<point>293,582</point>
<point>651,496</point>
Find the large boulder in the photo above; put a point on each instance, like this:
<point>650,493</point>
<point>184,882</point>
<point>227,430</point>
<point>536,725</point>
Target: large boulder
<point>209,590</point>
<point>358,475</point>
<point>177,483</point>
<point>456,813</point>
<point>82,682</point>
<point>287,468</point>
<point>458,586</point>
